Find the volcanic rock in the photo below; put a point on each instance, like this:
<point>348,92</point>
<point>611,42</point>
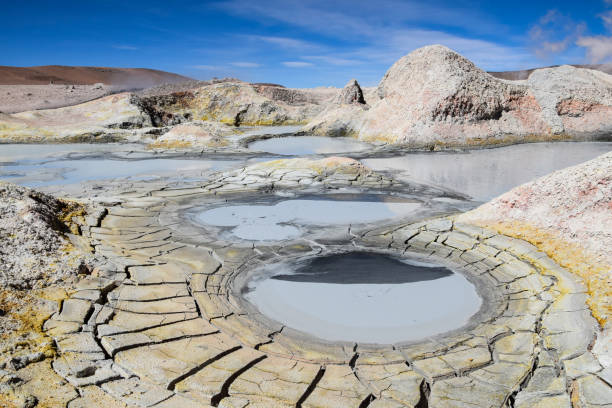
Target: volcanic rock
<point>194,134</point>
<point>110,118</point>
<point>235,103</point>
<point>34,246</point>
<point>574,100</point>
<point>434,96</point>
<point>351,93</point>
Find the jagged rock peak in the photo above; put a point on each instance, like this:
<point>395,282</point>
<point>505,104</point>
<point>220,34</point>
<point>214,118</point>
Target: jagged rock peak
<point>351,93</point>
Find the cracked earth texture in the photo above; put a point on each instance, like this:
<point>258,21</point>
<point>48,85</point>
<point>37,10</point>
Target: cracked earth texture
<point>163,324</point>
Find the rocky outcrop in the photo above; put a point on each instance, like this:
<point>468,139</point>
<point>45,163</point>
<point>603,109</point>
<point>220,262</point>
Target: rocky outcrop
<point>281,94</point>
<point>143,115</point>
<point>194,134</point>
<point>341,117</point>
<point>111,118</point>
<point>435,96</point>
<point>351,93</point>
<point>573,100</point>
<point>34,249</point>
<point>567,214</point>
<point>235,103</point>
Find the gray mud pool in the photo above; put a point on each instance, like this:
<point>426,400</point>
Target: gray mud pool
<point>57,165</point>
<point>285,219</point>
<point>305,145</point>
<point>364,297</point>
<point>487,173</point>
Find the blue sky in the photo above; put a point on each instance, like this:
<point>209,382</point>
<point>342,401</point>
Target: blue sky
<point>301,43</point>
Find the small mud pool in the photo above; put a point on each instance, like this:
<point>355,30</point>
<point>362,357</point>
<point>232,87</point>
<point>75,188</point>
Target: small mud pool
<point>302,145</point>
<point>283,219</point>
<point>58,165</point>
<point>364,297</point>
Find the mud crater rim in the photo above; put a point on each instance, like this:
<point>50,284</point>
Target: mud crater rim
<point>255,271</point>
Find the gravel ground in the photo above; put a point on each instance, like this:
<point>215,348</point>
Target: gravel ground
<point>20,98</point>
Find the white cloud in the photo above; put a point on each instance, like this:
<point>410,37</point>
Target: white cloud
<point>125,47</point>
<point>350,19</point>
<point>332,60</point>
<point>598,48</point>
<point>206,67</point>
<point>284,42</point>
<point>297,64</point>
<point>485,54</point>
<point>553,34</point>
<point>607,19</point>
<point>243,64</point>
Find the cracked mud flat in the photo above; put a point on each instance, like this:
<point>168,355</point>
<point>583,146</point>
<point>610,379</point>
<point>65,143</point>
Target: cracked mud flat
<point>165,322</point>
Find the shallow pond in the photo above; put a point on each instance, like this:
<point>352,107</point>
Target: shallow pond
<point>487,173</point>
<point>282,220</point>
<point>304,145</point>
<point>364,297</point>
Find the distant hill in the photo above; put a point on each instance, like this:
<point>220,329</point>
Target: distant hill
<point>129,78</point>
<point>518,75</point>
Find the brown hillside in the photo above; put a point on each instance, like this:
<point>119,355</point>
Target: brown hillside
<point>66,75</point>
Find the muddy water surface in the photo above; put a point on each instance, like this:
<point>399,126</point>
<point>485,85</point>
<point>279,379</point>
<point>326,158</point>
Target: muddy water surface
<point>487,173</point>
<point>305,145</point>
<point>365,297</point>
<point>282,220</point>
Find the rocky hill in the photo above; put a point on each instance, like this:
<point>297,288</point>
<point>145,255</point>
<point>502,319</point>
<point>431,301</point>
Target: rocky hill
<point>435,97</point>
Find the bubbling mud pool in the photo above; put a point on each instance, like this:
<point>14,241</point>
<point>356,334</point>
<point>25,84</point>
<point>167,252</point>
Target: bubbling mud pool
<point>364,297</point>
<point>284,219</point>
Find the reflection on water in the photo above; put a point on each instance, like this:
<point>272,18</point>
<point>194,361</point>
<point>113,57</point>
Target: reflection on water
<point>281,220</point>
<point>365,297</point>
<point>301,145</point>
<point>485,174</point>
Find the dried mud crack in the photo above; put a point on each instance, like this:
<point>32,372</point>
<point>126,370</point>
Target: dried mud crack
<point>172,330</point>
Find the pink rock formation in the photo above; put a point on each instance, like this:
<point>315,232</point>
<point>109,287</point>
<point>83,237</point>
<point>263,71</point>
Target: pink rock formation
<point>435,96</point>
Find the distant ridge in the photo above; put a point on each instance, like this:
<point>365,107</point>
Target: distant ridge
<point>128,78</point>
<point>524,74</point>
